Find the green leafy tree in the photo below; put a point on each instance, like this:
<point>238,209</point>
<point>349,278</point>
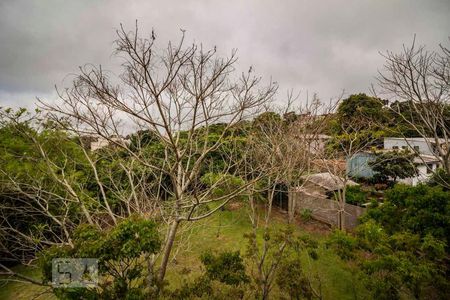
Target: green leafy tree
<point>401,246</point>
<point>291,278</point>
<point>358,123</point>
<point>44,184</point>
<point>119,251</point>
<point>394,165</point>
<point>358,111</point>
<point>402,263</point>
<point>224,278</point>
<point>420,209</point>
<point>226,267</point>
<point>276,251</point>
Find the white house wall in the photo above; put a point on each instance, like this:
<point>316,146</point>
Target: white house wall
<point>422,176</point>
<point>424,147</point>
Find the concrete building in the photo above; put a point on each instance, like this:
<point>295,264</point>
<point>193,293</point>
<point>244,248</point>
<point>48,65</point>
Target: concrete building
<point>94,143</point>
<point>425,146</point>
<point>427,161</point>
<point>426,165</point>
<point>358,165</point>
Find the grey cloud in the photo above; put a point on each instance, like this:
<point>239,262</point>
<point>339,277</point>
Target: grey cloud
<point>320,46</point>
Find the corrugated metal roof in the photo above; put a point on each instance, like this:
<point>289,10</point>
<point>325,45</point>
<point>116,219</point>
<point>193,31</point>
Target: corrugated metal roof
<point>328,181</point>
<point>417,139</point>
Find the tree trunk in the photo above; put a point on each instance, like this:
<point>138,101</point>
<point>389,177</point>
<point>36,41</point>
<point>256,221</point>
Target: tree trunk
<point>341,216</point>
<point>447,165</point>
<point>150,269</point>
<point>86,213</point>
<point>265,294</point>
<point>167,250</point>
<point>291,206</point>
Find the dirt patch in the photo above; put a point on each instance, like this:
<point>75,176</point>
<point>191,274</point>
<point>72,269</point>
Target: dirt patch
<point>234,206</point>
<point>312,226</point>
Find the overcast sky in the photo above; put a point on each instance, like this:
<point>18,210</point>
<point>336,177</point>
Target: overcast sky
<point>315,46</point>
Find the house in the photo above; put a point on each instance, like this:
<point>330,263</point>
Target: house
<point>318,142</point>
<point>427,161</point>
<point>358,166</point>
<point>324,183</point>
<point>426,166</point>
<point>316,194</point>
<point>418,145</point>
<point>94,143</point>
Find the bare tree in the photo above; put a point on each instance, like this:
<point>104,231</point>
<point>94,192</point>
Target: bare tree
<point>419,80</point>
<point>48,187</point>
<point>351,141</point>
<point>282,145</point>
<point>177,94</point>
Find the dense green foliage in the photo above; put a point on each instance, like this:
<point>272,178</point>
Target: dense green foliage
<point>224,277</point>
<point>227,267</point>
<point>393,165</point>
<point>359,111</point>
<point>402,245</point>
<point>421,210</point>
<point>31,162</point>
<point>118,250</point>
<point>355,195</point>
<point>272,260</point>
<point>358,123</point>
<point>293,281</point>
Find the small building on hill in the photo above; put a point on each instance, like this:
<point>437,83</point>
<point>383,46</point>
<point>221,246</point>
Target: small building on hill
<point>317,195</point>
<point>427,161</point>
<point>325,182</point>
<point>358,166</point>
<point>418,145</point>
<point>426,166</point>
<point>94,143</point>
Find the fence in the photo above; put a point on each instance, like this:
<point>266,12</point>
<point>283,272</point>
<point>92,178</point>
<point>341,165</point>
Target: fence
<point>326,210</point>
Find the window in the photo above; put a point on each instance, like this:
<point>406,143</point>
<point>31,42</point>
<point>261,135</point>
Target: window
<point>403,147</point>
<point>395,147</point>
<point>416,148</point>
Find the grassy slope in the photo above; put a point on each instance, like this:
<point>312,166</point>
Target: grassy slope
<point>21,290</point>
<point>224,231</point>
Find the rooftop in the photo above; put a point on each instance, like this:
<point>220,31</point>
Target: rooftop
<point>426,159</point>
<point>417,139</point>
<point>328,181</point>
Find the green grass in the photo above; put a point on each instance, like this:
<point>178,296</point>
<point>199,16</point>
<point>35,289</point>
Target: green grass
<point>224,231</point>
<point>23,290</point>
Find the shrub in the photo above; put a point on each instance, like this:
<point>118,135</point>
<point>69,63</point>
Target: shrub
<point>223,278</point>
<point>401,246</point>
<point>343,244</point>
<point>355,195</point>
<point>118,250</point>
<point>290,278</point>
<point>197,289</point>
<point>306,214</point>
<point>226,267</point>
<point>421,209</point>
